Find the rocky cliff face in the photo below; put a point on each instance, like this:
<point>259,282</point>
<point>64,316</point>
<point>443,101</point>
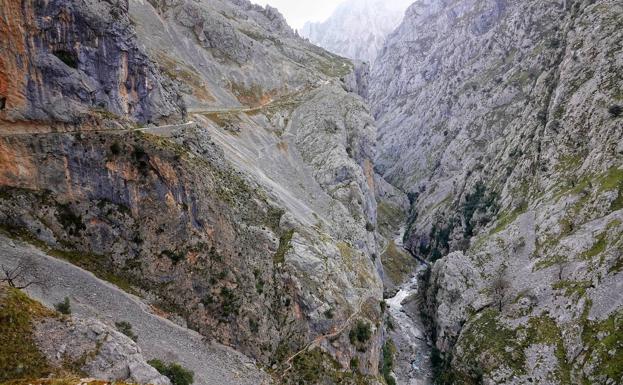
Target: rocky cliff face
<point>358,28</point>
<point>502,120</point>
<point>252,220</point>
<point>71,62</point>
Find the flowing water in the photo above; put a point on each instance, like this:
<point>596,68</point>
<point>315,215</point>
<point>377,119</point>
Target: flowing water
<point>413,357</point>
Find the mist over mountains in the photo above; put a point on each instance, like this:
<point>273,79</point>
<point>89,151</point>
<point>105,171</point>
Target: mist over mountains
<point>358,28</point>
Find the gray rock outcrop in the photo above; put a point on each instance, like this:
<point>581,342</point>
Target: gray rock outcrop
<point>101,352</point>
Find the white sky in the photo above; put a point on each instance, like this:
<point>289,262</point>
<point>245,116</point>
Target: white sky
<point>297,12</point>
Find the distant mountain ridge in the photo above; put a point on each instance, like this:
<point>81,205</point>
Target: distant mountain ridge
<point>358,28</point>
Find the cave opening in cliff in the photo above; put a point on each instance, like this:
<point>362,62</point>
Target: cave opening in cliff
<point>2,103</point>
<point>67,57</point>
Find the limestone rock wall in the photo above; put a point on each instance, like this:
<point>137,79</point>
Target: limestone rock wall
<point>500,120</point>
<point>74,61</point>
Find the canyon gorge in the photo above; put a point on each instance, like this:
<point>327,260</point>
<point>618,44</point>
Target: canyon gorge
<point>193,192</point>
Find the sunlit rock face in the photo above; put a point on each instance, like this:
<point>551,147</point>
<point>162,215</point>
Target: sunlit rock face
<point>500,120</point>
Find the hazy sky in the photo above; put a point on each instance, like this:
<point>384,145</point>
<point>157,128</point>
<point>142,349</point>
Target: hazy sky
<point>297,12</point>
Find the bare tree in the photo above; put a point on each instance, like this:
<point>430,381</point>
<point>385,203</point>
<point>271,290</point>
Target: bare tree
<point>22,276</point>
<point>499,289</point>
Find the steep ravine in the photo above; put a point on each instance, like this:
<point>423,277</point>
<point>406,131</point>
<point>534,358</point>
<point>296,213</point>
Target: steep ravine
<point>408,333</point>
<point>501,119</point>
<point>263,219</point>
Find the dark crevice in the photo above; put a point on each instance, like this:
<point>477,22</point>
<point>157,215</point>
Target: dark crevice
<point>2,102</point>
<point>67,57</point>
<point>417,257</point>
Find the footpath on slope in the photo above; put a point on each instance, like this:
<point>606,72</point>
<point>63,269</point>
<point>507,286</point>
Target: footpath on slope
<point>155,129</point>
<point>168,128</point>
<point>212,363</point>
<point>316,342</point>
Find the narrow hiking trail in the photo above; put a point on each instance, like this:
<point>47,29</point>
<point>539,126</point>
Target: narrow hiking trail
<point>316,342</point>
<point>154,129</point>
<point>169,128</point>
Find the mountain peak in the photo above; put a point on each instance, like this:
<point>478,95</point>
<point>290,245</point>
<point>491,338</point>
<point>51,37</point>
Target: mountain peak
<point>357,28</point>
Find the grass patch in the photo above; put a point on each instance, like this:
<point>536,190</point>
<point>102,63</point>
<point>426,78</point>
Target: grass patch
<point>345,250</point>
<point>488,344</point>
<point>572,287</point>
<point>598,247</point>
<point>226,120</point>
<point>397,264</point>
<point>603,341</point>
<point>389,218</point>
<point>317,367</point>
<point>19,355</point>
<point>285,243</point>
<point>569,163</point>
<point>96,264</point>
<point>488,334</point>
<point>549,262</point>
<point>506,219</point>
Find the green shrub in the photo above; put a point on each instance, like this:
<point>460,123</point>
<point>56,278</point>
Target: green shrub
<point>254,326</point>
<point>115,148</point>
<point>71,222</point>
<point>259,286</point>
<point>615,110</point>
<point>383,305</point>
<point>126,328</point>
<point>354,363</point>
<point>174,372</point>
<point>141,158</point>
<point>230,303</point>
<point>173,256</point>
<point>329,313</point>
<point>439,241</point>
<point>388,362</point>
<point>361,333</point>
<point>207,300</point>
<point>63,307</point>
